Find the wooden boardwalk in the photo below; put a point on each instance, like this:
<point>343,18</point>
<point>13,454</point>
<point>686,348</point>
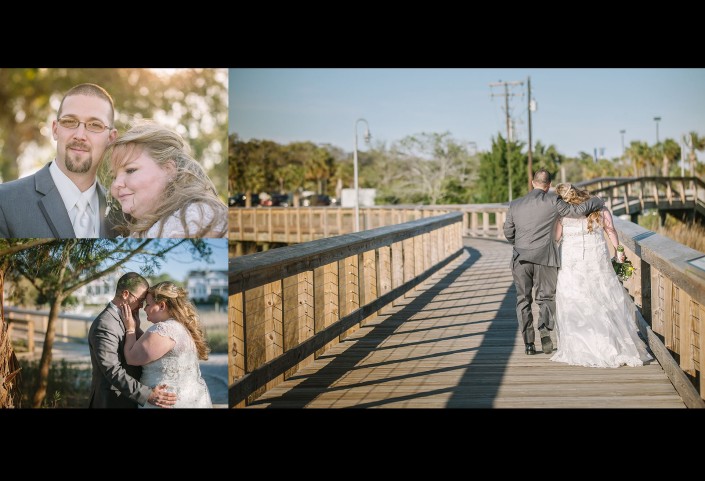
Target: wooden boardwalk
<point>455,343</point>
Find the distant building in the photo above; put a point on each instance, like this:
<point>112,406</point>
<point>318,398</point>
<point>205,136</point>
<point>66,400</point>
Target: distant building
<point>201,285</point>
<point>99,291</point>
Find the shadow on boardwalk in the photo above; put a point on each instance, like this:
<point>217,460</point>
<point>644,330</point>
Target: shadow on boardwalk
<point>432,332</point>
<point>455,343</point>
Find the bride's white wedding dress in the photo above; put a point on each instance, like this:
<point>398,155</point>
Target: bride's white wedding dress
<point>595,322</point>
<point>178,368</point>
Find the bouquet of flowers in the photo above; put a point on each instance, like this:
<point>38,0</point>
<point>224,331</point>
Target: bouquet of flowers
<point>625,269</point>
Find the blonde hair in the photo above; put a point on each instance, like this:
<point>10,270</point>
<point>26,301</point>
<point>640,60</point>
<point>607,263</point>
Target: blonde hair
<point>189,183</point>
<point>577,196</point>
<point>183,311</point>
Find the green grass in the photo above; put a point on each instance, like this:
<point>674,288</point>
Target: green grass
<point>69,386</point>
<point>218,341</point>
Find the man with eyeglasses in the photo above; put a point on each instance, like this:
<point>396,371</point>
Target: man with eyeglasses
<point>114,383</point>
<point>63,199</point>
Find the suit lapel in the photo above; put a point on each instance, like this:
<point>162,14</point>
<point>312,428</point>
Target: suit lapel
<point>52,205</point>
<point>102,205</point>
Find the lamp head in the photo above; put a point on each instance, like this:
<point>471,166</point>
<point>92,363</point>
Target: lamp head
<point>368,135</point>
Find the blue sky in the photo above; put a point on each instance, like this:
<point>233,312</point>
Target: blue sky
<point>179,262</point>
<point>578,109</point>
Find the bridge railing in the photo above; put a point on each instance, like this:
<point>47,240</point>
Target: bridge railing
<point>669,288</point>
<point>630,196</point>
<point>288,305</point>
<point>291,225</point>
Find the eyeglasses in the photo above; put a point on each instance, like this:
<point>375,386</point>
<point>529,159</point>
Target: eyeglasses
<point>92,125</point>
<point>140,300</point>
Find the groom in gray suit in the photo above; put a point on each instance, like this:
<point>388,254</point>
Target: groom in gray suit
<point>115,384</point>
<point>530,228</point>
<point>63,199</point>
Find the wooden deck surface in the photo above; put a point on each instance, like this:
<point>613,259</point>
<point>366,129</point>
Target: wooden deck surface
<point>456,344</point>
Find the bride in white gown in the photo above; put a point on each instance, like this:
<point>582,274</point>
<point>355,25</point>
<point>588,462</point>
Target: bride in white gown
<point>170,349</point>
<point>595,323</point>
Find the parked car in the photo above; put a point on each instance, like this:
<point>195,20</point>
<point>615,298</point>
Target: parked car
<point>316,200</point>
<point>239,200</point>
<point>276,200</point>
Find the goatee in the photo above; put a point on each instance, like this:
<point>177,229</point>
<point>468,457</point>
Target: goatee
<point>77,165</point>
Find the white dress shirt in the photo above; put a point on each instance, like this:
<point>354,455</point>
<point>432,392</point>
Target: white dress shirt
<point>70,195</point>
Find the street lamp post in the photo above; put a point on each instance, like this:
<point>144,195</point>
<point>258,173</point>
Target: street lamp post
<point>357,190</point>
<point>622,132</point>
<point>657,120</point>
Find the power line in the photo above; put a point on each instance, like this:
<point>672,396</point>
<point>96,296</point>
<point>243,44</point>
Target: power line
<point>506,96</point>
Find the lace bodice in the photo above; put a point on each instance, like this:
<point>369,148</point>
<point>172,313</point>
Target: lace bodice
<point>179,368</point>
<point>197,215</point>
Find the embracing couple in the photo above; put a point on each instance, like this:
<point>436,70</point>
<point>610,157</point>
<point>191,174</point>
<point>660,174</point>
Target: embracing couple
<point>161,190</point>
<point>560,250</point>
<point>153,368</point>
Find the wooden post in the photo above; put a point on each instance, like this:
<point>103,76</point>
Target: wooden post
<point>369,280</point>
<point>273,326</point>
<point>397,262</point>
<point>690,311</point>
<point>384,274</point>
<point>434,238</point>
<point>701,343</point>
<point>254,332</point>
<point>418,259</point>
<point>237,357</point>
<point>349,289</point>
<point>485,224</point>
<point>408,247</point>
<point>239,223</point>
<point>270,226</point>
<point>668,313</point>
<point>325,300</point>
<point>298,224</point>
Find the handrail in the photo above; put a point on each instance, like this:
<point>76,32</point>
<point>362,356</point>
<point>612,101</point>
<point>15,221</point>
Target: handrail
<point>287,305</point>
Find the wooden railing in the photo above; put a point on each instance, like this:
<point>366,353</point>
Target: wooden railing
<point>634,195</point>
<point>71,327</point>
<point>669,289</point>
<point>288,305</point>
<point>291,225</point>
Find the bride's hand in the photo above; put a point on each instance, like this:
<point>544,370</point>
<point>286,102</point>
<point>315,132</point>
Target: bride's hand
<point>127,318</point>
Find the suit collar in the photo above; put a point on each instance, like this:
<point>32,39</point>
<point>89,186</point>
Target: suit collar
<point>52,205</point>
<point>54,211</point>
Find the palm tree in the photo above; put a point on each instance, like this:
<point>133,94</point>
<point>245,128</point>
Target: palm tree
<point>671,151</point>
<point>695,142</point>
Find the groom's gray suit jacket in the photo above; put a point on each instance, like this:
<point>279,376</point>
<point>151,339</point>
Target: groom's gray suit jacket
<point>531,222</point>
<point>33,207</point>
<point>115,384</point>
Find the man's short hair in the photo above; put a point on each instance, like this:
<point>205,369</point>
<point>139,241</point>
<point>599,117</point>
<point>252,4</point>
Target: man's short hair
<point>542,177</point>
<point>91,90</point>
<point>130,282</point>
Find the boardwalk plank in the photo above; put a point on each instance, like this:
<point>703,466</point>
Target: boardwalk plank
<point>454,343</point>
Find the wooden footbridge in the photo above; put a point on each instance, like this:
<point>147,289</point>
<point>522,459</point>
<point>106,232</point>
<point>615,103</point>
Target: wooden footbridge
<point>421,313</point>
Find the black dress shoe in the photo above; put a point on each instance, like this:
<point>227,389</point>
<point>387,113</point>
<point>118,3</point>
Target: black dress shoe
<point>546,343</point>
<point>530,348</point>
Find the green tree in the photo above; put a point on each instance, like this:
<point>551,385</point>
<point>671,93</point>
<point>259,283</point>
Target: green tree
<point>432,161</point>
<point>493,182</point>
<point>10,377</point>
<point>58,268</point>
<point>670,152</point>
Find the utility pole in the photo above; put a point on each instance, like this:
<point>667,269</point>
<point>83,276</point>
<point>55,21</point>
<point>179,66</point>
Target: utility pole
<point>530,105</point>
<point>506,96</point>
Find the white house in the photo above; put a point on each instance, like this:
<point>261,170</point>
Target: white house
<point>203,284</point>
<point>99,291</point>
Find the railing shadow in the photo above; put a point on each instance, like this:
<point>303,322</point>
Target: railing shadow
<point>323,379</point>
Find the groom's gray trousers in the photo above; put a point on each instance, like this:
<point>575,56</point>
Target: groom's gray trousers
<point>526,276</point>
